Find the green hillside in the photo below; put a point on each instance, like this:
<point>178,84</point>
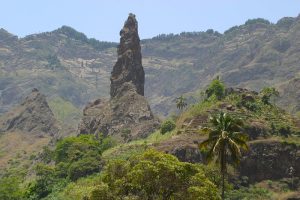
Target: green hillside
<point>89,167</point>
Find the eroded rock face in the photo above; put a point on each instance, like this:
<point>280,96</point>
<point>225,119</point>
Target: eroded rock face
<point>127,115</point>
<point>267,158</point>
<point>270,160</point>
<point>184,146</point>
<point>128,67</point>
<point>33,115</point>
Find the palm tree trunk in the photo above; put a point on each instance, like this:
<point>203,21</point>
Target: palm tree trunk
<point>223,185</point>
<point>223,171</point>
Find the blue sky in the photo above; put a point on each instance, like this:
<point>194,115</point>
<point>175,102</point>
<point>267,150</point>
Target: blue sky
<point>103,19</point>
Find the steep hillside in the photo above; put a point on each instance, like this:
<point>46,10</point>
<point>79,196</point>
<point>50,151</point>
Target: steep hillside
<point>25,130</point>
<point>67,63</point>
<point>273,133</point>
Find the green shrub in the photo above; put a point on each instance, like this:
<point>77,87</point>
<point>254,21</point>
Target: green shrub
<point>10,188</point>
<point>75,148</point>
<point>284,130</point>
<point>217,88</point>
<point>167,126</point>
<point>74,157</point>
<point>83,167</point>
<point>155,175</point>
<point>44,183</point>
<point>102,192</point>
<point>251,106</point>
<point>249,194</point>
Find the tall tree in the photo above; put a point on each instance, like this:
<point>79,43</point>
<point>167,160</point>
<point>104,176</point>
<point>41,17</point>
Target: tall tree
<point>181,102</point>
<point>224,141</point>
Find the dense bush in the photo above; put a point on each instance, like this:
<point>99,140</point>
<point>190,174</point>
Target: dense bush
<point>217,88</point>
<point>10,188</point>
<point>267,94</point>
<point>167,126</point>
<point>253,106</point>
<point>83,167</point>
<point>154,175</point>
<point>74,157</point>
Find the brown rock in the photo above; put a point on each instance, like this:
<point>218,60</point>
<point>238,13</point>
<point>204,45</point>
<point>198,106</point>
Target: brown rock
<point>129,64</point>
<point>248,97</point>
<point>127,110</point>
<point>269,159</point>
<point>33,115</point>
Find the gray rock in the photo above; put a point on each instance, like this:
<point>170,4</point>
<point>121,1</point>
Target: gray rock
<point>33,115</point>
<point>128,67</point>
<point>127,111</point>
<point>269,159</point>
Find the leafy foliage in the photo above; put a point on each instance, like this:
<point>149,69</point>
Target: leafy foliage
<point>224,140</point>
<point>74,157</point>
<point>167,126</point>
<point>217,88</point>
<point>154,175</point>
<point>181,102</point>
<point>10,188</point>
<point>267,93</point>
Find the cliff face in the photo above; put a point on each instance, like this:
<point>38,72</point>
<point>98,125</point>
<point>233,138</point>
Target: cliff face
<point>33,115</point>
<point>267,159</point>
<point>270,160</point>
<point>127,115</point>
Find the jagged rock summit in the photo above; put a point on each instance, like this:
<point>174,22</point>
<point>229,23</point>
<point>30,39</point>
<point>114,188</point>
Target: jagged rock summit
<point>128,67</point>
<point>33,115</point>
<point>127,115</point>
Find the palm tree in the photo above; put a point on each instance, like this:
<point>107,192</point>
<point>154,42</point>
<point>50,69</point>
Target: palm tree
<point>180,102</point>
<point>224,141</point>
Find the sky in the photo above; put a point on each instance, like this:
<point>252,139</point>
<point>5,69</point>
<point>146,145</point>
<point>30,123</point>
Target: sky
<point>103,19</point>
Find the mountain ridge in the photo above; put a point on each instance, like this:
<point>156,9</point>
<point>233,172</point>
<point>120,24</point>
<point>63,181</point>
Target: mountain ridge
<point>249,54</point>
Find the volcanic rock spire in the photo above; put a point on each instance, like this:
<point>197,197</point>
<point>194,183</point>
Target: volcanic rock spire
<point>127,113</point>
<point>128,67</point>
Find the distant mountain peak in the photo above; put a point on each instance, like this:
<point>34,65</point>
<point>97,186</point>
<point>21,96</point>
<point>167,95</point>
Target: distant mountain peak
<point>33,115</point>
<point>6,36</point>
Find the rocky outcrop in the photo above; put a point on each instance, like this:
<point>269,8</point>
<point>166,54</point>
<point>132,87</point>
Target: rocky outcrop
<point>269,159</point>
<point>183,146</point>
<point>33,115</point>
<point>127,113</point>
<point>128,67</point>
<point>266,159</point>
